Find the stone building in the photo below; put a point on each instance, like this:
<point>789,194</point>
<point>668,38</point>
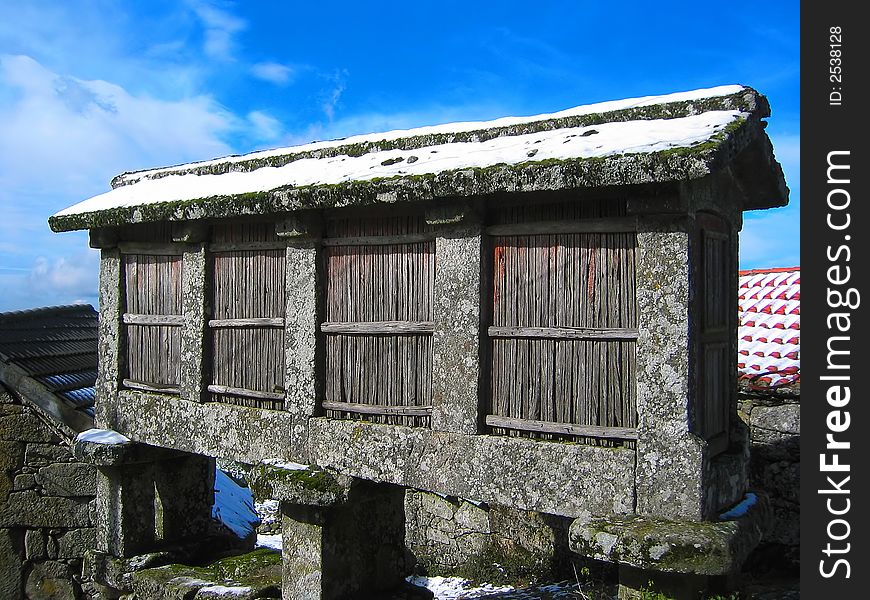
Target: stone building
<point>48,360</point>
<point>48,511</point>
<point>537,313</point>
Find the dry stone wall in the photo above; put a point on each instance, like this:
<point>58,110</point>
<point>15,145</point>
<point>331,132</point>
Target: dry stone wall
<point>46,508</point>
<point>775,426</point>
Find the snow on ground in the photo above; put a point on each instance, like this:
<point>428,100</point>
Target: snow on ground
<point>282,464</point>
<point>102,436</point>
<point>449,588</point>
<point>233,505</point>
<point>455,588</point>
<point>269,540</point>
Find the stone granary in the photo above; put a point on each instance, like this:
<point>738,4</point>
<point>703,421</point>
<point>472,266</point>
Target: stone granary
<point>536,312</point>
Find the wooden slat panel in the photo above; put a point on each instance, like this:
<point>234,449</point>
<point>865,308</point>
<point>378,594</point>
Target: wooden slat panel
<point>568,333</point>
<point>245,246</point>
<point>153,318</point>
<point>247,324</point>
<point>379,327</point>
<point>370,409</point>
<point>152,249</point>
<point>621,433</point>
<point>379,317</point>
<point>564,325</point>
<point>379,240</point>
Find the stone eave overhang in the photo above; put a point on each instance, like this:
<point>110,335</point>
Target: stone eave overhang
<point>742,144</point>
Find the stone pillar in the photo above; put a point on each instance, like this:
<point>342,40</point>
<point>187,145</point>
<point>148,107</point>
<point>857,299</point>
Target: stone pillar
<point>342,537</point>
<point>193,306</point>
<point>670,459</point>
<point>301,324</point>
<point>148,495</point>
<point>456,377</point>
<point>110,335</point>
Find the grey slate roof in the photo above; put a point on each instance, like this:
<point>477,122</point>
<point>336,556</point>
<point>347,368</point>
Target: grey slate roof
<point>48,357</point>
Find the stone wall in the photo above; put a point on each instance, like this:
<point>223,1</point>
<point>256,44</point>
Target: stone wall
<point>449,535</point>
<point>46,508</point>
<point>774,423</point>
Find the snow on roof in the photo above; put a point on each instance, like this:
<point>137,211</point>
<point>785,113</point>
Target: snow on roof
<point>452,128</point>
<point>769,331</point>
<point>435,161</point>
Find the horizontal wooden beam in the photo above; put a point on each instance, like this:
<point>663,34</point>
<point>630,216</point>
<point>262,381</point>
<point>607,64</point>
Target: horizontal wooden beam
<point>611,225</point>
<point>153,249</point>
<point>167,320</point>
<point>253,322</point>
<point>159,388</point>
<point>245,393</point>
<point>246,246</point>
<point>373,409</point>
<point>380,240</point>
<point>564,333</point>
<point>378,327</point>
<point>597,431</point>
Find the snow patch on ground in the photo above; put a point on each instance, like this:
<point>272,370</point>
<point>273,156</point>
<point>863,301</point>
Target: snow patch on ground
<point>740,509</point>
<point>219,591</point>
<point>282,464</point>
<point>270,540</point>
<point>450,588</point>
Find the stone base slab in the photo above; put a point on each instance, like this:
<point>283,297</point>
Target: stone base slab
<point>664,546</point>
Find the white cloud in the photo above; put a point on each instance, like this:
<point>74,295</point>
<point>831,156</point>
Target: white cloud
<point>62,134</point>
<point>273,72</point>
<point>220,28</point>
<point>66,277</point>
<point>264,126</point>
<point>334,94</point>
<point>63,139</point>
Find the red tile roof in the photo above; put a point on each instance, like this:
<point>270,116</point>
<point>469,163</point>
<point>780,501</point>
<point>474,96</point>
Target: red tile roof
<point>769,335</point>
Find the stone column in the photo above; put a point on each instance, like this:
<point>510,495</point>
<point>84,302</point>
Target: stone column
<point>147,495</point>
<point>456,377</point>
<point>670,459</point>
<point>301,321</point>
<point>109,345</point>
<point>193,305</point>
<point>342,537</point>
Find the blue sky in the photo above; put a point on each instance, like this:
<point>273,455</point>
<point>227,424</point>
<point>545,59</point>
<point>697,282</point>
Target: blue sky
<point>92,88</point>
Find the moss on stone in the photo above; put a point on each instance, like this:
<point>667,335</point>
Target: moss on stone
<point>304,486</point>
<point>500,564</point>
<point>259,570</point>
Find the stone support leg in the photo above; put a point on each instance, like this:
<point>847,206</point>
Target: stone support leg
<point>148,497</point>
<point>346,550</point>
